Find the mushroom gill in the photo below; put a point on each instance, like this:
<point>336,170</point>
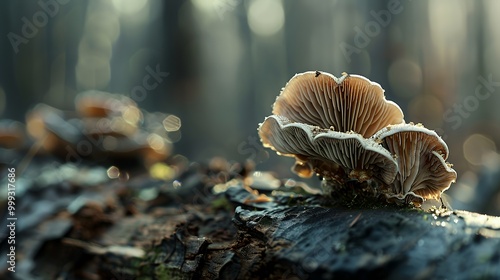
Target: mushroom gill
<point>287,138</point>
<point>420,154</point>
<point>438,180</point>
<point>324,151</point>
<point>348,103</point>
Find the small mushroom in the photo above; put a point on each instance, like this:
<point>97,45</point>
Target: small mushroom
<point>324,151</point>
<point>150,147</point>
<point>303,168</point>
<point>112,137</point>
<point>421,154</point>
<point>348,103</point>
<point>113,126</point>
<point>12,134</point>
<point>100,104</point>
<point>50,126</point>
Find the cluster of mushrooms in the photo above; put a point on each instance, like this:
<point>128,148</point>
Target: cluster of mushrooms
<point>345,131</point>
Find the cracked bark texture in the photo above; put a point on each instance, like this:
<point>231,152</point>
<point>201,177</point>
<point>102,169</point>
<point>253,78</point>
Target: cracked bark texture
<point>194,233</point>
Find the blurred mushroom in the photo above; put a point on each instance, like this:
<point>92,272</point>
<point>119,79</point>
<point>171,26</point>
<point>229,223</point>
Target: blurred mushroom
<point>114,126</point>
<point>303,169</point>
<point>111,137</point>
<point>108,114</point>
<point>423,172</point>
<point>324,151</point>
<point>12,134</point>
<point>348,103</point>
<point>103,104</point>
<point>50,126</point>
<point>149,147</point>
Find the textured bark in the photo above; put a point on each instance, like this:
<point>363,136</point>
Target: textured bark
<point>191,233</point>
<point>296,237</point>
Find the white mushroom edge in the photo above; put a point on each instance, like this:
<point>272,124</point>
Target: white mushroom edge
<point>304,141</point>
<point>412,183</point>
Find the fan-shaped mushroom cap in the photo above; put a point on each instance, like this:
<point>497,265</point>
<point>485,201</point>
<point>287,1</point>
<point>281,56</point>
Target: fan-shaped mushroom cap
<point>348,103</point>
<point>421,154</point>
<point>439,178</point>
<point>325,150</point>
<point>287,138</point>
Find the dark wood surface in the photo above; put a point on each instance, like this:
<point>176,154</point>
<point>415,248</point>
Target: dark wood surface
<point>144,228</point>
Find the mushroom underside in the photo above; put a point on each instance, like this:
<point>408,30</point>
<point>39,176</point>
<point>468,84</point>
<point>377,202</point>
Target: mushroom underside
<point>344,130</point>
<point>349,103</point>
<point>324,150</point>
<point>422,169</point>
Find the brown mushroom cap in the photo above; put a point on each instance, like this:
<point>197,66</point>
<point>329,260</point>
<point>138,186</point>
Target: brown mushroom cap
<point>95,103</point>
<point>348,103</point>
<point>421,155</point>
<point>11,134</point>
<point>326,150</point>
<point>434,183</point>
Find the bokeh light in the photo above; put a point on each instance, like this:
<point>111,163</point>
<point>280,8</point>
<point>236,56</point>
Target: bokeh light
<point>476,147</point>
<point>129,8</point>
<point>426,109</point>
<point>266,17</point>
<point>172,123</point>
<point>405,77</point>
<point>113,172</point>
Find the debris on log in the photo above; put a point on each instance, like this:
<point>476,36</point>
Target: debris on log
<point>237,226</point>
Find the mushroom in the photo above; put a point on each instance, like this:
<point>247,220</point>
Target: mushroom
<point>149,147</point>
<point>99,104</point>
<point>329,153</point>
<point>344,130</point>
<point>113,126</point>
<point>12,134</point>
<point>348,103</point>
<point>423,172</point>
<point>303,168</point>
<point>294,142</point>
<point>111,137</point>
<point>50,126</point>
<point>287,138</point>
<point>361,158</point>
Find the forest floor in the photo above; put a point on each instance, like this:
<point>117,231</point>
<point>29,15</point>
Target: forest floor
<point>223,220</point>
